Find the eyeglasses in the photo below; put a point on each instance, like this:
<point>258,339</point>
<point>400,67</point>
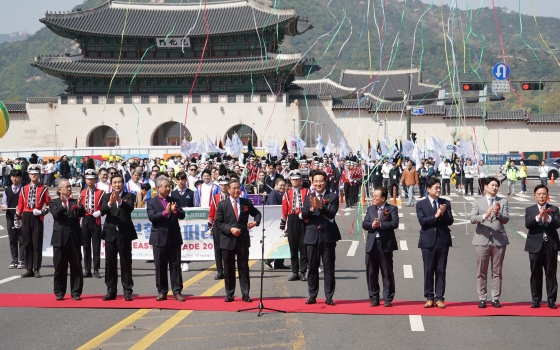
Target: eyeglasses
<point>192,169</point>
<point>113,173</point>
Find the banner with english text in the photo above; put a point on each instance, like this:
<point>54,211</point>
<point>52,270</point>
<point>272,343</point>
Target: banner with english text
<point>198,244</point>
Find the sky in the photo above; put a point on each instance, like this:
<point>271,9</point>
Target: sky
<point>25,14</point>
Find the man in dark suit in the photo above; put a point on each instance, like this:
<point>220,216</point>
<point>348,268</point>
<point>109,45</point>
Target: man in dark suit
<point>184,194</point>
<point>434,216</point>
<point>542,220</point>
<point>67,241</point>
<point>275,196</point>
<point>321,235</point>
<point>232,221</point>
<point>164,213</point>
<point>118,233</point>
<point>270,179</point>
<point>381,221</point>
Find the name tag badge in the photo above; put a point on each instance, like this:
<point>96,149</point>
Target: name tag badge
<point>377,173</point>
<point>394,176</point>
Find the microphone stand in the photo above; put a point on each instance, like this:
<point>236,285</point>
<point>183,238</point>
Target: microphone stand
<point>261,306</point>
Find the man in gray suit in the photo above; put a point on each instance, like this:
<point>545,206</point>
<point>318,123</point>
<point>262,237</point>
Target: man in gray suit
<point>490,214</point>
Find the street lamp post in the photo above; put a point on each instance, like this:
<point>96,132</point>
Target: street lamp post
<point>55,141</point>
<point>116,135</point>
<point>321,125</point>
<point>252,134</point>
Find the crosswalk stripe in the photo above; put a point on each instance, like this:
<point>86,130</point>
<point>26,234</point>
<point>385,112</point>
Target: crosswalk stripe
<point>416,324</point>
<point>404,245</point>
<point>407,270</point>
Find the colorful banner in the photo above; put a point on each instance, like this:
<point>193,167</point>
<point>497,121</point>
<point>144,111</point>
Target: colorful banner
<point>198,244</point>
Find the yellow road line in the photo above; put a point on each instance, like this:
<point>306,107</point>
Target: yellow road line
<point>103,337</point>
<point>157,333</point>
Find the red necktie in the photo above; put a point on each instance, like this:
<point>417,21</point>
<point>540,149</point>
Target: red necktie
<point>235,211</point>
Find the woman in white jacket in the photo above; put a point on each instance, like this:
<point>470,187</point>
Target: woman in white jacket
<point>543,173</point>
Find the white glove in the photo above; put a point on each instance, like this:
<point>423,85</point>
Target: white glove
<point>37,212</point>
<point>17,224</point>
<point>96,214</point>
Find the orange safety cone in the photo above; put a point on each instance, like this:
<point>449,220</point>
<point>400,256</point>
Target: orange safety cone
<point>341,198</point>
<point>552,179</point>
<point>394,197</point>
<point>363,198</point>
<point>548,194</point>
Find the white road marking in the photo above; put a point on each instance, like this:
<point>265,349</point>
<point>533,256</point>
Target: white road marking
<point>404,245</point>
<point>2,214</point>
<point>407,269</point>
<point>522,234</point>
<point>401,215</point>
<point>2,227</point>
<point>416,324</point>
<point>401,226</point>
<point>353,247</point>
<point>469,198</point>
<point>4,236</point>
<point>347,209</point>
<point>413,214</point>
<point>9,279</point>
<point>520,199</point>
<point>346,214</point>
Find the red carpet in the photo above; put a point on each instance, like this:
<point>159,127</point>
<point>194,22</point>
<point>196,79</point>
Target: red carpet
<point>292,305</point>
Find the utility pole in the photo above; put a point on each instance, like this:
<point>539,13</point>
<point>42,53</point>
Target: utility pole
<point>408,112</point>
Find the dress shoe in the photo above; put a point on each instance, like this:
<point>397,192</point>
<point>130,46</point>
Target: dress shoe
<point>128,297</point>
<point>281,267</point>
<point>60,297</point>
<point>228,299</point>
<point>482,304</point>
<point>294,277</point>
<point>496,304</point>
<point>269,264</point>
<point>96,274</point>
<point>440,304</point>
<point>161,297</point>
<point>552,305</point>
<point>247,299</point>
<point>311,300</point>
<point>179,297</point>
<point>329,301</point>
<point>37,274</point>
<point>536,304</point>
<point>109,297</point>
<point>76,297</point>
<point>302,277</point>
<point>219,276</point>
<point>388,303</point>
<point>429,303</point>
<point>87,274</point>
<point>28,273</point>
<point>374,302</point>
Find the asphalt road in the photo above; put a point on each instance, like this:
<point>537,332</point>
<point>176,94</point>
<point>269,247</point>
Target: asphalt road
<point>165,329</point>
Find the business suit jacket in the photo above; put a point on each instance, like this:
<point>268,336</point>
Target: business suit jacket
<point>274,198</point>
<point>225,220</point>
<point>389,223</point>
<point>118,216</point>
<point>165,228</point>
<point>534,241</point>
<point>66,222</point>
<point>269,182</point>
<point>492,225</point>
<point>320,217</point>
<point>430,225</point>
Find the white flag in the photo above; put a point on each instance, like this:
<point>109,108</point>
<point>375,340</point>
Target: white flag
<point>185,153</point>
<point>408,148</point>
<point>300,146</point>
<point>330,146</point>
<point>211,147</point>
<point>343,148</point>
<point>228,146</point>
<point>320,147</point>
<point>236,145</point>
<point>415,156</point>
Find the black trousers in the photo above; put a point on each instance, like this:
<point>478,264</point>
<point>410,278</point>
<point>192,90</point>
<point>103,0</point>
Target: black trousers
<point>242,267</point>
<point>15,238</point>
<point>377,183</point>
<point>122,248</point>
<point>164,257</point>
<point>422,188</point>
<point>316,252</point>
<point>32,229</point>
<point>217,251</point>
<point>545,259</point>
<point>435,264</point>
<point>468,184</point>
<point>298,252</point>
<point>481,185</point>
<point>92,238</point>
<point>347,194</point>
<point>62,256</point>
<point>377,260</point>
<point>445,186</point>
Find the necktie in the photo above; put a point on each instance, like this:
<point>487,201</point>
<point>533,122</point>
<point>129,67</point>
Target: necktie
<point>434,205</point>
<point>320,197</point>
<point>235,211</point>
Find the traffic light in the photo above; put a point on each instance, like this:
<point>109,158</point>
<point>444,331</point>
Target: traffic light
<point>532,86</point>
<point>473,86</point>
<point>497,97</point>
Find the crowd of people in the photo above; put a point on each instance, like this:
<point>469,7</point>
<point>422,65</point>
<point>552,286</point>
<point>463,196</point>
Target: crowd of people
<point>307,190</point>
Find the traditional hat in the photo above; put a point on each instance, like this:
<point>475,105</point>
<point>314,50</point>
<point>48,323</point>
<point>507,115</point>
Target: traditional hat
<point>294,174</point>
<point>90,174</point>
<point>34,169</point>
<point>223,180</point>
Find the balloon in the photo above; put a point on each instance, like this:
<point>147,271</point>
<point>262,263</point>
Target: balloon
<point>4,120</point>
<point>56,176</point>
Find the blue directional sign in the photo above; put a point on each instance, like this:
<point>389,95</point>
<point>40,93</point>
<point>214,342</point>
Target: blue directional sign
<point>501,71</point>
<point>418,111</point>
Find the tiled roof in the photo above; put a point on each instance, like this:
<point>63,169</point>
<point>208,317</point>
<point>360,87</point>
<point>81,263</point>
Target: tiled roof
<point>323,87</point>
<point>465,112</point>
<point>62,66</point>
<point>16,107</point>
<point>432,109</point>
<point>32,100</point>
<point>156,20</point>
<point>506,115</point>
<point>388,107</point>
<point>552,118</point>
<point>386,84</point>
<point>346,104</point>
